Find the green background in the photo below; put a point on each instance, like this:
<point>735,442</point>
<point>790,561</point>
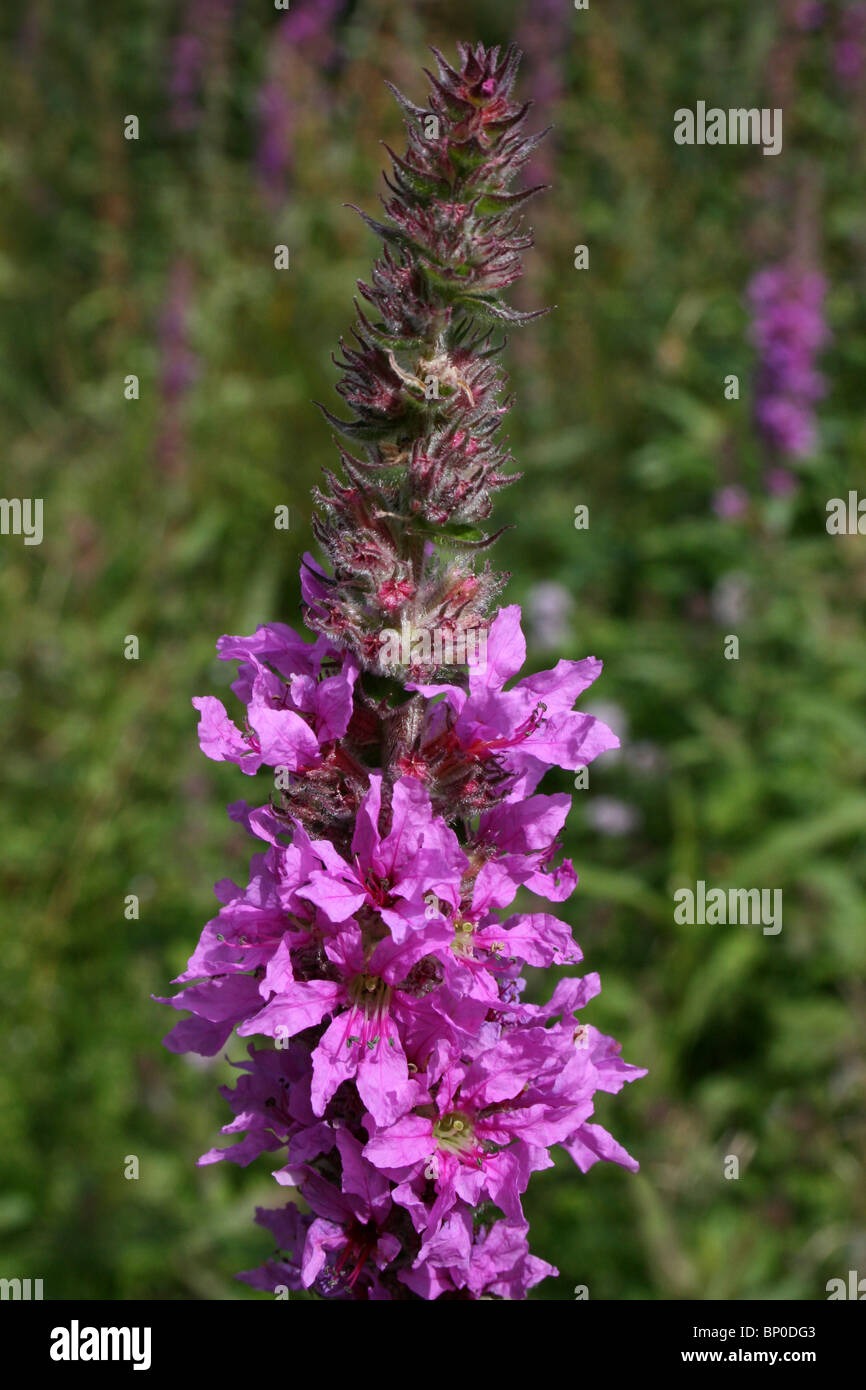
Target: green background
<point>159,524</point>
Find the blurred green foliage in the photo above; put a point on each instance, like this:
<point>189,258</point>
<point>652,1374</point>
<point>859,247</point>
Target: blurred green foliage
<point>159,523</point>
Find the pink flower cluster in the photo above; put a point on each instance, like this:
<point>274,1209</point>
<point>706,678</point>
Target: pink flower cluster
<point>404,1078</point>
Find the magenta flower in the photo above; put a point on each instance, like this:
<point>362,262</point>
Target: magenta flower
<point>402,1080</point>
<point>511,737</point>
<point>290,715</point>
<point>391,875</point>
<point>374,1004</point>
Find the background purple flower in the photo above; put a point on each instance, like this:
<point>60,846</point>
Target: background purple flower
<point>780,482</point>
<point>550,607</point>
<point>788,330</point>
<point>810,15</point>
<point>543,35</point>
<point>178,364</point>
<point>730,502</point>
<point>850,49</point>
<point>194,52</point>
<point>305,35</point>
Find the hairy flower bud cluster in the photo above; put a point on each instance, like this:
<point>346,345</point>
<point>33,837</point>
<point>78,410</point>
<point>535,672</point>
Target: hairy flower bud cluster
<point>421,377</point>
<point>407,1088</point>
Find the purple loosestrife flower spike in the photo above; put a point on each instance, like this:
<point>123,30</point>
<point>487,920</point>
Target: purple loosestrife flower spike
<point>304,35</point>
<point>406,1089</point>
<point>544,38</point>
<point>178,365</point>
<point>788,329</point>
